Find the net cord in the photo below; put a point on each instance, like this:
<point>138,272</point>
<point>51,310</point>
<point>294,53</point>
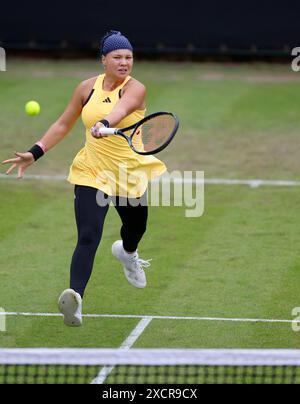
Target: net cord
<point>150,357</point>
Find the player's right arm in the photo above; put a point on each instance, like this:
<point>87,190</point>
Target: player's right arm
<point>57,131</point>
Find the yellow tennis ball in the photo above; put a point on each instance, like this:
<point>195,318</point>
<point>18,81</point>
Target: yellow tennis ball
<point>32,108</point>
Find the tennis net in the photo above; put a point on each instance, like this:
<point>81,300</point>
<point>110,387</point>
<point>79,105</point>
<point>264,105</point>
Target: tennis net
<point>149,366</point>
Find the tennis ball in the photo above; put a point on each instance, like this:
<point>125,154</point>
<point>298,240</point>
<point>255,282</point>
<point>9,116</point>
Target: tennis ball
<point>32,108</point>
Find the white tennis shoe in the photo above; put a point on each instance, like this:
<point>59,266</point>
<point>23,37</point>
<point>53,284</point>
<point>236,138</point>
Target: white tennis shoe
<point>70,305</point>
<point>133,266</point>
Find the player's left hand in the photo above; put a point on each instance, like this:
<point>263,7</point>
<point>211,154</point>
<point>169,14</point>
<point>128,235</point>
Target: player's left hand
<point>22,161</point>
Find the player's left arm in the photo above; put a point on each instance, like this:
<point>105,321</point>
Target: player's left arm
<point>132,98</point>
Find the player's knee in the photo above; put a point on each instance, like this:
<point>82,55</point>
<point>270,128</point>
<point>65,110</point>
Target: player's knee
<point>88,237</point>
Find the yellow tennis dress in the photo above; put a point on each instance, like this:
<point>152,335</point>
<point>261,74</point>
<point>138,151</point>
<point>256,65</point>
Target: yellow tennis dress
<point>109,164</point>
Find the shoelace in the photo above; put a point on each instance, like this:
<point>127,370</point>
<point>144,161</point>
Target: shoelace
<point>140,264</point>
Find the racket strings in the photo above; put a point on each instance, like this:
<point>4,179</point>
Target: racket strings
<point>154,133</point>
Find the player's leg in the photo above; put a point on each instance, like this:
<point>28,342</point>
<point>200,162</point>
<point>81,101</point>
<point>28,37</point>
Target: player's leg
<point>90,219</point>
<point>134,223</point>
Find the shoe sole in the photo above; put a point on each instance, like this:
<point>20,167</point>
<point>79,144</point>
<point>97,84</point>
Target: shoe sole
<point>68,305</point>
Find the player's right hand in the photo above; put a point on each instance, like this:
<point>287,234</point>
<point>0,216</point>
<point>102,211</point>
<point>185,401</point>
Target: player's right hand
<point>96,130</point>
<point>21,162</point>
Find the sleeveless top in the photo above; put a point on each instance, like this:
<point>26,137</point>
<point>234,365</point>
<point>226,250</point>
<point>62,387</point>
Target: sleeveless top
<point>109,164</point>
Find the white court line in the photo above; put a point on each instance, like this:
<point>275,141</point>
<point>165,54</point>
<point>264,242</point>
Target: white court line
<point>36,177</point>
<point>189,318</point>
<point>126,345</point>
<point>253,183</point>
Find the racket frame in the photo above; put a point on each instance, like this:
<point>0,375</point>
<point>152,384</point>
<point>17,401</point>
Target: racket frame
<point>134,128</point>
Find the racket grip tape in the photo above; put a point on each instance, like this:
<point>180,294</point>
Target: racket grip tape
<point>108,131</point>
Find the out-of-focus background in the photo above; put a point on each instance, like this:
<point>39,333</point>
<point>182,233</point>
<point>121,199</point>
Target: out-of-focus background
<point>252,28</point>
<point>225,68</point>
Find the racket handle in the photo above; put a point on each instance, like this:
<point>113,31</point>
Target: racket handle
<point>108,131</point>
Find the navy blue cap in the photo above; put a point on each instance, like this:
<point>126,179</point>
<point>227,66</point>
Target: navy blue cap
<point>114,40</point>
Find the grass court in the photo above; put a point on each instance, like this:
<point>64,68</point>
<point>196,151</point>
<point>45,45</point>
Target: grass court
<point>241,260</point>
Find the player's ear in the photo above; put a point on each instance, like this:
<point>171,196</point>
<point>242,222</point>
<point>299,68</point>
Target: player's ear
<point>103,61</point>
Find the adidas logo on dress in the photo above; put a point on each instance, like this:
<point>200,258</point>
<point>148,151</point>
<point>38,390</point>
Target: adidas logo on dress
<point>107,100</point>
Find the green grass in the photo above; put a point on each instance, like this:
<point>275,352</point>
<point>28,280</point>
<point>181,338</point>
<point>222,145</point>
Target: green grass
<point>231,263</point>
<point>240,260</point>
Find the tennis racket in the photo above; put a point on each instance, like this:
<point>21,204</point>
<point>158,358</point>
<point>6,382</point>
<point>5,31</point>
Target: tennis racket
<point>149,136</point>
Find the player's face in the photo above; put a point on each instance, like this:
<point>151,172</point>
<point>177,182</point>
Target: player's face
<point>118,63</point>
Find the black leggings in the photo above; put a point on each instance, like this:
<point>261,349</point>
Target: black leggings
<point>90,217</point>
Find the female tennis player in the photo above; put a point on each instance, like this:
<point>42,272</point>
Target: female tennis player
<point>106,169</point>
